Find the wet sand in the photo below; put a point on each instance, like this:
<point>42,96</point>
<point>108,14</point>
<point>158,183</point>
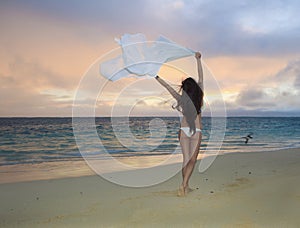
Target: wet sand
<point>238,190</point>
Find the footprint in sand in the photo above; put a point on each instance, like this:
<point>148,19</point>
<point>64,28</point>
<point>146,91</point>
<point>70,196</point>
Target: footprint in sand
<point>165,193</point>
<point>239,182</point>
<point>172,193</point>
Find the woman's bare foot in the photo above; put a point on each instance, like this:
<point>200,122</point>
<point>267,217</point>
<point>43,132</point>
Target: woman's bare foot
<point>181,191</point>
<point>188,189</point>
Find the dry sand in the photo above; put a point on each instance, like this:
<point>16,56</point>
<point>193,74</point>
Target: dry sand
<point>238,190</point>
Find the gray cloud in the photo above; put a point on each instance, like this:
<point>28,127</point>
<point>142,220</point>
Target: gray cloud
<point>230,28</point>
<point>18,101</point>
<point>33,74</point>
<point>21,91</point>
<point>279,94</point>
<point>252,98</point>
<point>217,28</point>
<point>290,72</point>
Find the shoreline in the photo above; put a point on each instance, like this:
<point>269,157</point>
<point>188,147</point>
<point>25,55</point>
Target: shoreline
<point>238,190</point>
<point>53,170</point>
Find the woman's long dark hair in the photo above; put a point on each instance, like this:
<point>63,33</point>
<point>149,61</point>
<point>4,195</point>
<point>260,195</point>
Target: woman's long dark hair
<point>191,101</point>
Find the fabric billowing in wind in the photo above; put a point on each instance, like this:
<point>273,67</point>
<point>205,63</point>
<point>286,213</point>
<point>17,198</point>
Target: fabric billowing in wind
<point>140,58</point>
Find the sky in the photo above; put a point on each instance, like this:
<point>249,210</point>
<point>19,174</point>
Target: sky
<point>251,49</point>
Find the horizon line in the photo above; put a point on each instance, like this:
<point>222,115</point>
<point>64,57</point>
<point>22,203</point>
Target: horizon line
<point>236,116</point>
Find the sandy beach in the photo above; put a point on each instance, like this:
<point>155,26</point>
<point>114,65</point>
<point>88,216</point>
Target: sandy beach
<point>238,190</point>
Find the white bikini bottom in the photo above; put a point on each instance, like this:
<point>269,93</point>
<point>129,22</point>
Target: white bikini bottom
<point>187,132</point>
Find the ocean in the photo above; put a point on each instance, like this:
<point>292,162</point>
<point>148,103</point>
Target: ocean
<point>51,140</point>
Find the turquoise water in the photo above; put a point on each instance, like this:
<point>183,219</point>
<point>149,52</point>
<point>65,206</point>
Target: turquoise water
<point>38,140</point>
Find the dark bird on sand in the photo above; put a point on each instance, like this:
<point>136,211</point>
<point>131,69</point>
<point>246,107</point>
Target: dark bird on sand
<point>249,136</point>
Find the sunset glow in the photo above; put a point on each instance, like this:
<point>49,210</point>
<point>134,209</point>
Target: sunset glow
<point>47,47</point>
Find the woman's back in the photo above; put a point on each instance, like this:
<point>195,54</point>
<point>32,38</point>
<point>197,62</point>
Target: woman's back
<point>198,123</point>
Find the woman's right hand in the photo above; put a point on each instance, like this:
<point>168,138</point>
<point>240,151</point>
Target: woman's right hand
<point>198,55</point>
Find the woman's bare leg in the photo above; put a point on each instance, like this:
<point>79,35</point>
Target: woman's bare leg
<point>185,148</point>
<point>190,149</point>
<point>195,142</point>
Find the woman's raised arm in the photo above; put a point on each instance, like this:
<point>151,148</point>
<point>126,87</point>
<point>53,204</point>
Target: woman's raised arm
<point>200,70</point>
<point>168,87</point>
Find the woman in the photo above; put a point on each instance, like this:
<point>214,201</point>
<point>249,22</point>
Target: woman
<point>189,103</point>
